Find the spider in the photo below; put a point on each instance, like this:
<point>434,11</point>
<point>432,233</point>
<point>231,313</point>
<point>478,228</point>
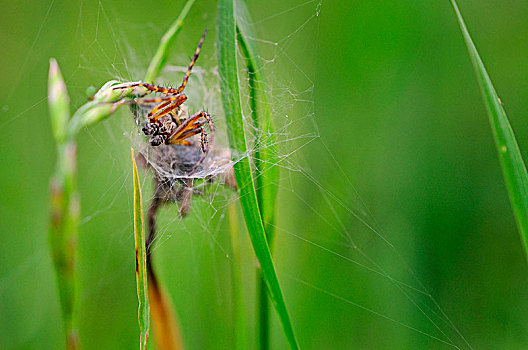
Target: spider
<point>165,124</point>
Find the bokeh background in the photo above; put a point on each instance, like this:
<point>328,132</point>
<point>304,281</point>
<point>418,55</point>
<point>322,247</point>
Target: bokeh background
<point>402,164</point>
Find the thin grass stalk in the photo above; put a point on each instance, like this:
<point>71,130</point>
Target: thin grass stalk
<point>265,159</point>
<point>167,42</point>
<point>228,72</point>
<point>236,273</point>
<point>166,327</point>
<point>141,260</point>
<point>64,199</point>
<point>64,202</point>
<point>512,164</point>
<point>63,232</point>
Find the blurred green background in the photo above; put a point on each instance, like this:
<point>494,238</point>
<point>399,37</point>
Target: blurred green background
<point>388,92</point>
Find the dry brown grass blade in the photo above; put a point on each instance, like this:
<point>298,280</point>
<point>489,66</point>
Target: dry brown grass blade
<point>164,321</point>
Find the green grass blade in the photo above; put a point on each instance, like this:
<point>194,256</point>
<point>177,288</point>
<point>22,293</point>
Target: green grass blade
<point>141,261</point>
<point>513,168</point>
<point>266,156</point>
<point>227,62</point>
<point>160,57</point>
<point>266,171</point>
<point>64,201</point>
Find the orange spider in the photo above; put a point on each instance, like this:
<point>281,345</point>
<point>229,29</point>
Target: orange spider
<point>165,125</point>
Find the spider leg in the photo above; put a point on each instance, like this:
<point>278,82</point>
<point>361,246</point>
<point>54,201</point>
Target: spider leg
<point>204,144</point>
<point>181,140</point>
<point>180,98</point>
<point>168,90</point>
<point>163,109</point>
<point>191,65</point>
<point>151,87</point>
<point>185,143</point>
<point>189,133</point>
<point>205,150</point>
<point>191,125</point>
<point>158,107</point>
<point>186,197</point>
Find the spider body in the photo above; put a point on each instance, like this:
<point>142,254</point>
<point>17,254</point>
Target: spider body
<point>164,124</point>
<point>172,164</point>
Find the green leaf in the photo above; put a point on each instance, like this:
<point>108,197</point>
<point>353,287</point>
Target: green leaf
<point>160,57</point>
<point>141,260</point>
<point>513,168</point>
<point>228,71</point>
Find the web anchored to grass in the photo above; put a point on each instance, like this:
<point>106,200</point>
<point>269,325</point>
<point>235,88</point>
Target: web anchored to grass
<point>171,171</point>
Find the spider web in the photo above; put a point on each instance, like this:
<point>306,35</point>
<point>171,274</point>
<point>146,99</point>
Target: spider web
<point>118,48</point>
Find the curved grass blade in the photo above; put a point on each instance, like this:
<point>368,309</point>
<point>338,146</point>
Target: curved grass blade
<point>266,171</point>
<point>160,57</point>
<point>64,201</point>
<point>512,164</point>
<point>227,62</point>
<point>141,258</point>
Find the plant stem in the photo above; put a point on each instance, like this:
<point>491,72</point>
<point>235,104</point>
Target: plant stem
<point>160,57</point>
<point>64,223</point>
<point>64,203</point>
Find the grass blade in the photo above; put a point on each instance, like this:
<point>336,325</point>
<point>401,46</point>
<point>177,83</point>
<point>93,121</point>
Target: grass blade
<point>141,264</point>
<point>160,57</point>
<point>64,201</point>
<point>227,56</point>
<point>512,164</point>
<point>266,171</point>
